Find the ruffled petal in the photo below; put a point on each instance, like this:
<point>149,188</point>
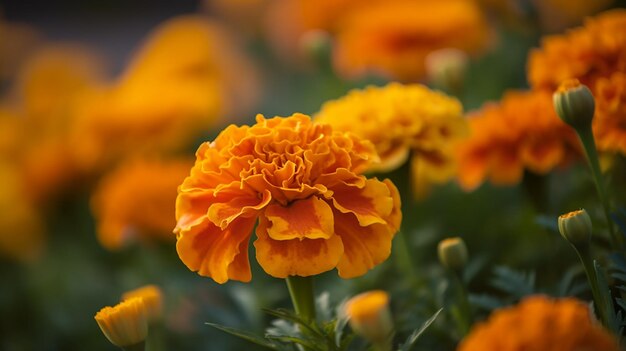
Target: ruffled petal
<point>223,213</point>
<point>370,204</point>
<point>219,254</point>
<point>306,257</point>
<point>310,218</point>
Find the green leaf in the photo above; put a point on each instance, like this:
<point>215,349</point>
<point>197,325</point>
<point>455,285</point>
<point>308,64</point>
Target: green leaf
<point>517,284</point>
<point>613,320</point>
<point>486,302</point>
<point>410,341</point>
<point>292,317</point>
<point>246,336</point>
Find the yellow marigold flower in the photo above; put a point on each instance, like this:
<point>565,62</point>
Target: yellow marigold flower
<point>595,54</point>
<point>152,299</point>
<point>125,324</point>
<point>369,315</point>
<point>135,202</point>
<point>394,38</point>
<point>303,182</point>
<point>540,323</point>
<point>162,101</point>
<point>520,132</point>
<point>416,120</point>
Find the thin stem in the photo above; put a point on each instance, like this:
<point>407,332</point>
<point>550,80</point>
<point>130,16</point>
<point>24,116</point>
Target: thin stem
<point>586,138</point>
<point>464,311</point>
<point>301,293</point>
<point>600,304</point>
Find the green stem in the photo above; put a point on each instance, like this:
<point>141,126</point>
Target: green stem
<point>464,311</point>
<point>301,293</point>
<point>403,258</point>
<point>586,138</point>
<point>600,304</point>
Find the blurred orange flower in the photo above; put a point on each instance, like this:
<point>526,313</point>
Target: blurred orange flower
<point>303,182</point>
<point>136,202</point>
<point>417,120</point>
<point>595,54</point>
<point>164,102</point>
<point>520,132</point>
<point>393,38</point>
<point>540,323</point>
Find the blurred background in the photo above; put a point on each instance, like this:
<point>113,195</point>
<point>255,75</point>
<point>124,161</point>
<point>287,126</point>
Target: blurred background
<point>103,104</point>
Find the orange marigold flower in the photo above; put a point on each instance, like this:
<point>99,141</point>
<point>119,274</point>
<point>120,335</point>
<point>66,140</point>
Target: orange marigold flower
<point>520,132</point>
<point>303,182</point>
<point>595,54</point>
<point>135,202</point>
<point>394,38</point>
<point>540,323</point>
<point>417,120</point>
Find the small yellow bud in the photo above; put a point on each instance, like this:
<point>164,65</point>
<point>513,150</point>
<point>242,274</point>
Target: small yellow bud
<point>574,104</point>
<point>125,324</point>
<point>453,253</point>
<point>446,69</point>
<point>369,316</point>
<point>576,227</point>
<point>152,299</point>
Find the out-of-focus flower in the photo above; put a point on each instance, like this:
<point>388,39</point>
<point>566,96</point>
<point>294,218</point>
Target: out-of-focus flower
<point>393,38</point>
<point>21,231</point>
<point>136,202</point>
<point>164,102</point>
<point>244,15</point>
<point>369,316</point>
<point>303,182</point>
<point>595,54</point>
<point>540,323</point>
<point>520,132</point>
<point>559,14</point>
<point>416,120</point>
<point>152,299</point>
<point>125,324</point>
<point>446,68</point>
<point>17,41</point>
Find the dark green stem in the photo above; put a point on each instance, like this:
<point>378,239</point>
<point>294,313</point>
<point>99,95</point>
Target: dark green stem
<point>462,311</point>
<point>301,293</point>
<point>586,138</point>
<point>600,304</point>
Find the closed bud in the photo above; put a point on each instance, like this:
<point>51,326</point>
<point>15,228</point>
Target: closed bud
<point>152,299</point>
<point>125,324</point>
<point>446,69</point>
<point>574,104</point>
<point>453,253</point>
<point>576,227</point>
<point>369,316</point>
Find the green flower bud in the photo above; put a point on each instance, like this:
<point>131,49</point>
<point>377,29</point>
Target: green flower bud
<point>574,104</point>
<point>453,253</point>
<point>576,227</point>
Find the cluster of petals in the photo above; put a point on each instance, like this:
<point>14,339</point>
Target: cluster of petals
<point>303,183</point>
<point>540,323</point>
<point>133,203</point>
<point>521,132</point>
<point>389,38</point>
<point>595,54</point>
<point>417,121</point>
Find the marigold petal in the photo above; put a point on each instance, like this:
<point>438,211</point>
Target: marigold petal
<point>310,218</point>
<point>222,214</point>
<point>370,204</point>
<point>305,257</point>
<point>219,254</point>
<point>364,247</point>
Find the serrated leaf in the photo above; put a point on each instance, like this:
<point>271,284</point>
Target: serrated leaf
<point>292,317</point>
<point>410,341</point>
<point>242,334</point>
<point>296,340</point>
<point>566,284</point>
<point>517,284</point>
<point>603,286</point>
<point>486,302</point>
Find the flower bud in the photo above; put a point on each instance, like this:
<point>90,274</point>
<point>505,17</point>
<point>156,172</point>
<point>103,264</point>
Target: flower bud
<point>576,227</point>
<point>446,68</point>
<point>125,324</point>
<point>152,299</point>
<point>369,316</point>
<point>574,104</point>
<point>453,253</point>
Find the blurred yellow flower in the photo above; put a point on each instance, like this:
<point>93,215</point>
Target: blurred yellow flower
<point>125,324</point>
<point>135,202</point>
<point>17,41</point>
<point>399,120</point>
<point>540,323</point>
<point>595,54</point>
<point>303,182</point>
<point>152,299</point>
<point>393,39</point>
<point>520,132</point>
<point>369,315</point>
<point>164,101</point>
